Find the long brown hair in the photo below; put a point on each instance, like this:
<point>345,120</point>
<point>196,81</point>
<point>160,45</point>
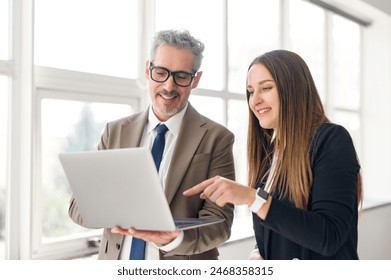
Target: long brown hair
<point>301,113</point>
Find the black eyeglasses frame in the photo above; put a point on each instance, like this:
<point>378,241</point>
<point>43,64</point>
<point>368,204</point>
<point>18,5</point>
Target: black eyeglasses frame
<point>170,73</point>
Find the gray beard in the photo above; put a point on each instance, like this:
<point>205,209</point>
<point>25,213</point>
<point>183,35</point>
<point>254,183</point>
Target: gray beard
<point>169,113</point>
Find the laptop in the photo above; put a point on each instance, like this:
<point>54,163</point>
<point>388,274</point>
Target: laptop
<point>121,187</point>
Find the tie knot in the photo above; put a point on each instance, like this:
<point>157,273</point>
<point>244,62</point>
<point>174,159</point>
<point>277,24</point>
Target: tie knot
<point>161,129</point>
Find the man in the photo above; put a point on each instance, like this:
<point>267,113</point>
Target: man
<point>195,149</point>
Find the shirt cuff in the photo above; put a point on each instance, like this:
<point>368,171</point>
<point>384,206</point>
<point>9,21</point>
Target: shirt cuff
<point>255,255</point>
<point>171,246</point>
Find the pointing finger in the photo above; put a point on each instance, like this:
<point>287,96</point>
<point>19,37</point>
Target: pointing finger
<point>199,188</point>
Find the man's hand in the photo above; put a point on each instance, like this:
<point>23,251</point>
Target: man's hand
<point>158,237</point>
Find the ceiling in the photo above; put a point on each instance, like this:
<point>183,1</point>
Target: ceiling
<point>384,5</point>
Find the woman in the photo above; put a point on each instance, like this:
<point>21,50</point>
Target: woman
<point>307,165</point>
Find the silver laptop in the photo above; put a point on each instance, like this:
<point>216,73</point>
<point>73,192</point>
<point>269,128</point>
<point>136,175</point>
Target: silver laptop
<point>121,187</point>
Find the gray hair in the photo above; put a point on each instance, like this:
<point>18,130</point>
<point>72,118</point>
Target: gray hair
<point>180,39</point>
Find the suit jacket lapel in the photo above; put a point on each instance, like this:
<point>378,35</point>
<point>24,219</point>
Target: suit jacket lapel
<point>189,138</point>
<point>132,133</point>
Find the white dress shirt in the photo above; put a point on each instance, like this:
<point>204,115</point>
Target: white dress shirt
<point>173,124</point>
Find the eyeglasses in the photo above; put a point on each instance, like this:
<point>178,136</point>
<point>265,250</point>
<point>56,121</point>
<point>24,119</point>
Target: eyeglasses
<point>161,74</point>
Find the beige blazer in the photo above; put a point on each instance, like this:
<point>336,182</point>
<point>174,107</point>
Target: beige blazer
<point>203,150</point>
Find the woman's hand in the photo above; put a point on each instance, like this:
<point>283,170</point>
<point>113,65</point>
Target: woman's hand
<point>221,191</point>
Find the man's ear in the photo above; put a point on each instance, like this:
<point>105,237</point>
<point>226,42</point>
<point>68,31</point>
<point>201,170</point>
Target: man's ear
<point>196,79</point>
<point>146,72</point>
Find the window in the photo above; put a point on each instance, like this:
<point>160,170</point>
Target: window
<point>345,63</point>
<point>67,126</point>
<point>212,107</point>
<point>238,123</point>
<point>252,30</point>
<point>87,36</point>
<point>176,14</point>
<point>342,99</point>
<point>345,86</point>
<point>308,40</point>
<point>85,76</point>
<point>72,111</point>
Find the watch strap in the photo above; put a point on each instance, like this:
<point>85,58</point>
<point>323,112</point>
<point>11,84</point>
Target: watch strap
<point>260,198</point>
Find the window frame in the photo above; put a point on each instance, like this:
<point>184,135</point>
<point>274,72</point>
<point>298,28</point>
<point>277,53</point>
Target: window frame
<point>51,83</point>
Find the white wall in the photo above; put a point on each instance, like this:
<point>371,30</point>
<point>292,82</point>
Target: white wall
<point>376,97</point>
<point>376,100</point>
<point>374,234</point>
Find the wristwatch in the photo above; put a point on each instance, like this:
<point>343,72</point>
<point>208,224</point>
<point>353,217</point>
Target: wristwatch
<point>260,198</point>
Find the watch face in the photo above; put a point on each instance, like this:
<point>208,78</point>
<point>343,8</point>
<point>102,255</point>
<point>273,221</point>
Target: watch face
<point>262,193</point>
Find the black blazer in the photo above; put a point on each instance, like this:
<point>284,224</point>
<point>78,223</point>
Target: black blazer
<point>328,229</point>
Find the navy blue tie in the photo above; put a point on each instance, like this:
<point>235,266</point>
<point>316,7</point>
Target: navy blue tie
<point>158,144</point>
<point>137,251</point>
